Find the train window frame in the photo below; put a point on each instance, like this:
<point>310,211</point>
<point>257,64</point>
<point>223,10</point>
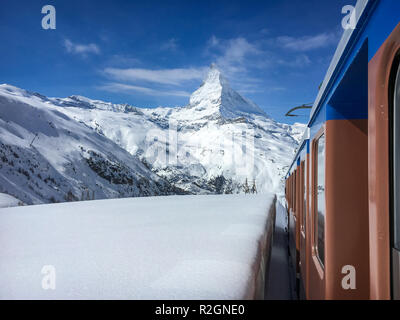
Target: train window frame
<point>395,155</point>
<point>294,193</point>
<point>394,175</point>
<point>291,191</point>
<point>314,230</point>
<point>303,190</point>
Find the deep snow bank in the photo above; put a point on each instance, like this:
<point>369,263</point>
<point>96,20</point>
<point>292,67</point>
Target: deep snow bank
<point>177,247</point>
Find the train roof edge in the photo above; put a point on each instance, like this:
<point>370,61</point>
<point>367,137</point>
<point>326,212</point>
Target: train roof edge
<point>362,9</point>
<point>305,138</point>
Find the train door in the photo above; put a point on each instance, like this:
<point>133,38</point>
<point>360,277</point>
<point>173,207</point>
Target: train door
<point>396,189</point>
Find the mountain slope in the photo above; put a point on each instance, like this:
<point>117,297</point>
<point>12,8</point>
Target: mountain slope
<point>45,156</point>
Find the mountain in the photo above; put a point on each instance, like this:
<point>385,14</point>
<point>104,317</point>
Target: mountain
<point>215,97</point>
<point>58,149</point>
<point>45,156</point>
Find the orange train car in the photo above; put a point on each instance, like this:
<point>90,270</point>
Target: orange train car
<point>342,188</point>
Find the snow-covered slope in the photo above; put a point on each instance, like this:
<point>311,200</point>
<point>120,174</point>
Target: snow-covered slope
<point>45,156</point>
<point>7,201</point>
<point>83,148</point>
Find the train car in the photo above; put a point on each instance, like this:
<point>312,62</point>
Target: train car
<point>347,167</point>
<point>297,177</point>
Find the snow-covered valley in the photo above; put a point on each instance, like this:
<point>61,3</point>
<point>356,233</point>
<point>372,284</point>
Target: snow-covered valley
<point>75,148</point>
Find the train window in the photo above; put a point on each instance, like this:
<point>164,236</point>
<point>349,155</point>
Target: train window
<point>291,195</point>
<point>304,195</point>
<point>294,192</point>
<point>396,161</point>
<point>290,192</point>
<point>319,235</point>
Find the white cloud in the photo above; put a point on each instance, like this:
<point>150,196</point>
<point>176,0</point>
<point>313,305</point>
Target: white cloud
<point>170,45</point>
<point>123,60</point>
<point>234,54</point>
<point>81,49</point>
<point>237,49</point>
<point>131,89</point>
<point>238,58</point>
<point>299,61</point>
<point>213,42</point>
<point>162,76</point>
<point>275,89</point>
<point>307,43</point>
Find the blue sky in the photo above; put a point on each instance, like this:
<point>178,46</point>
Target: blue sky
<point>155,53</point>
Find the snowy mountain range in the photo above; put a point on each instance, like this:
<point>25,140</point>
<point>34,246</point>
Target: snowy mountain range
<point>75,148</point>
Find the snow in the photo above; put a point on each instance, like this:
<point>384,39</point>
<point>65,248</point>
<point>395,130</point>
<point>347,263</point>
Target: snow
<point>44,154</point>
<point>176,247</point>
<point>8,201</point>
<point>216,95</point>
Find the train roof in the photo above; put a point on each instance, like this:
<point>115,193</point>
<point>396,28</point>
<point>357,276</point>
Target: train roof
<point>344,47</point>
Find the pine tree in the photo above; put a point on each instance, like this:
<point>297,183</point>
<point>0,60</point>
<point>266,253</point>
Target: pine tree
<point>254,188</point>
<point>246,187</point>
<point>70,196</point>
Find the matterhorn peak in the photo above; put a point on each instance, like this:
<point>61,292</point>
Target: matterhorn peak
<point>216,96</point>
<point>215,77</point>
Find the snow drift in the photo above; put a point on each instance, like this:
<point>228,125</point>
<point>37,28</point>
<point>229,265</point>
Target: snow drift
<point>176,247</point>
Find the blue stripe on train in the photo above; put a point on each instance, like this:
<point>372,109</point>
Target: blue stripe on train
<point>348,97</point>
